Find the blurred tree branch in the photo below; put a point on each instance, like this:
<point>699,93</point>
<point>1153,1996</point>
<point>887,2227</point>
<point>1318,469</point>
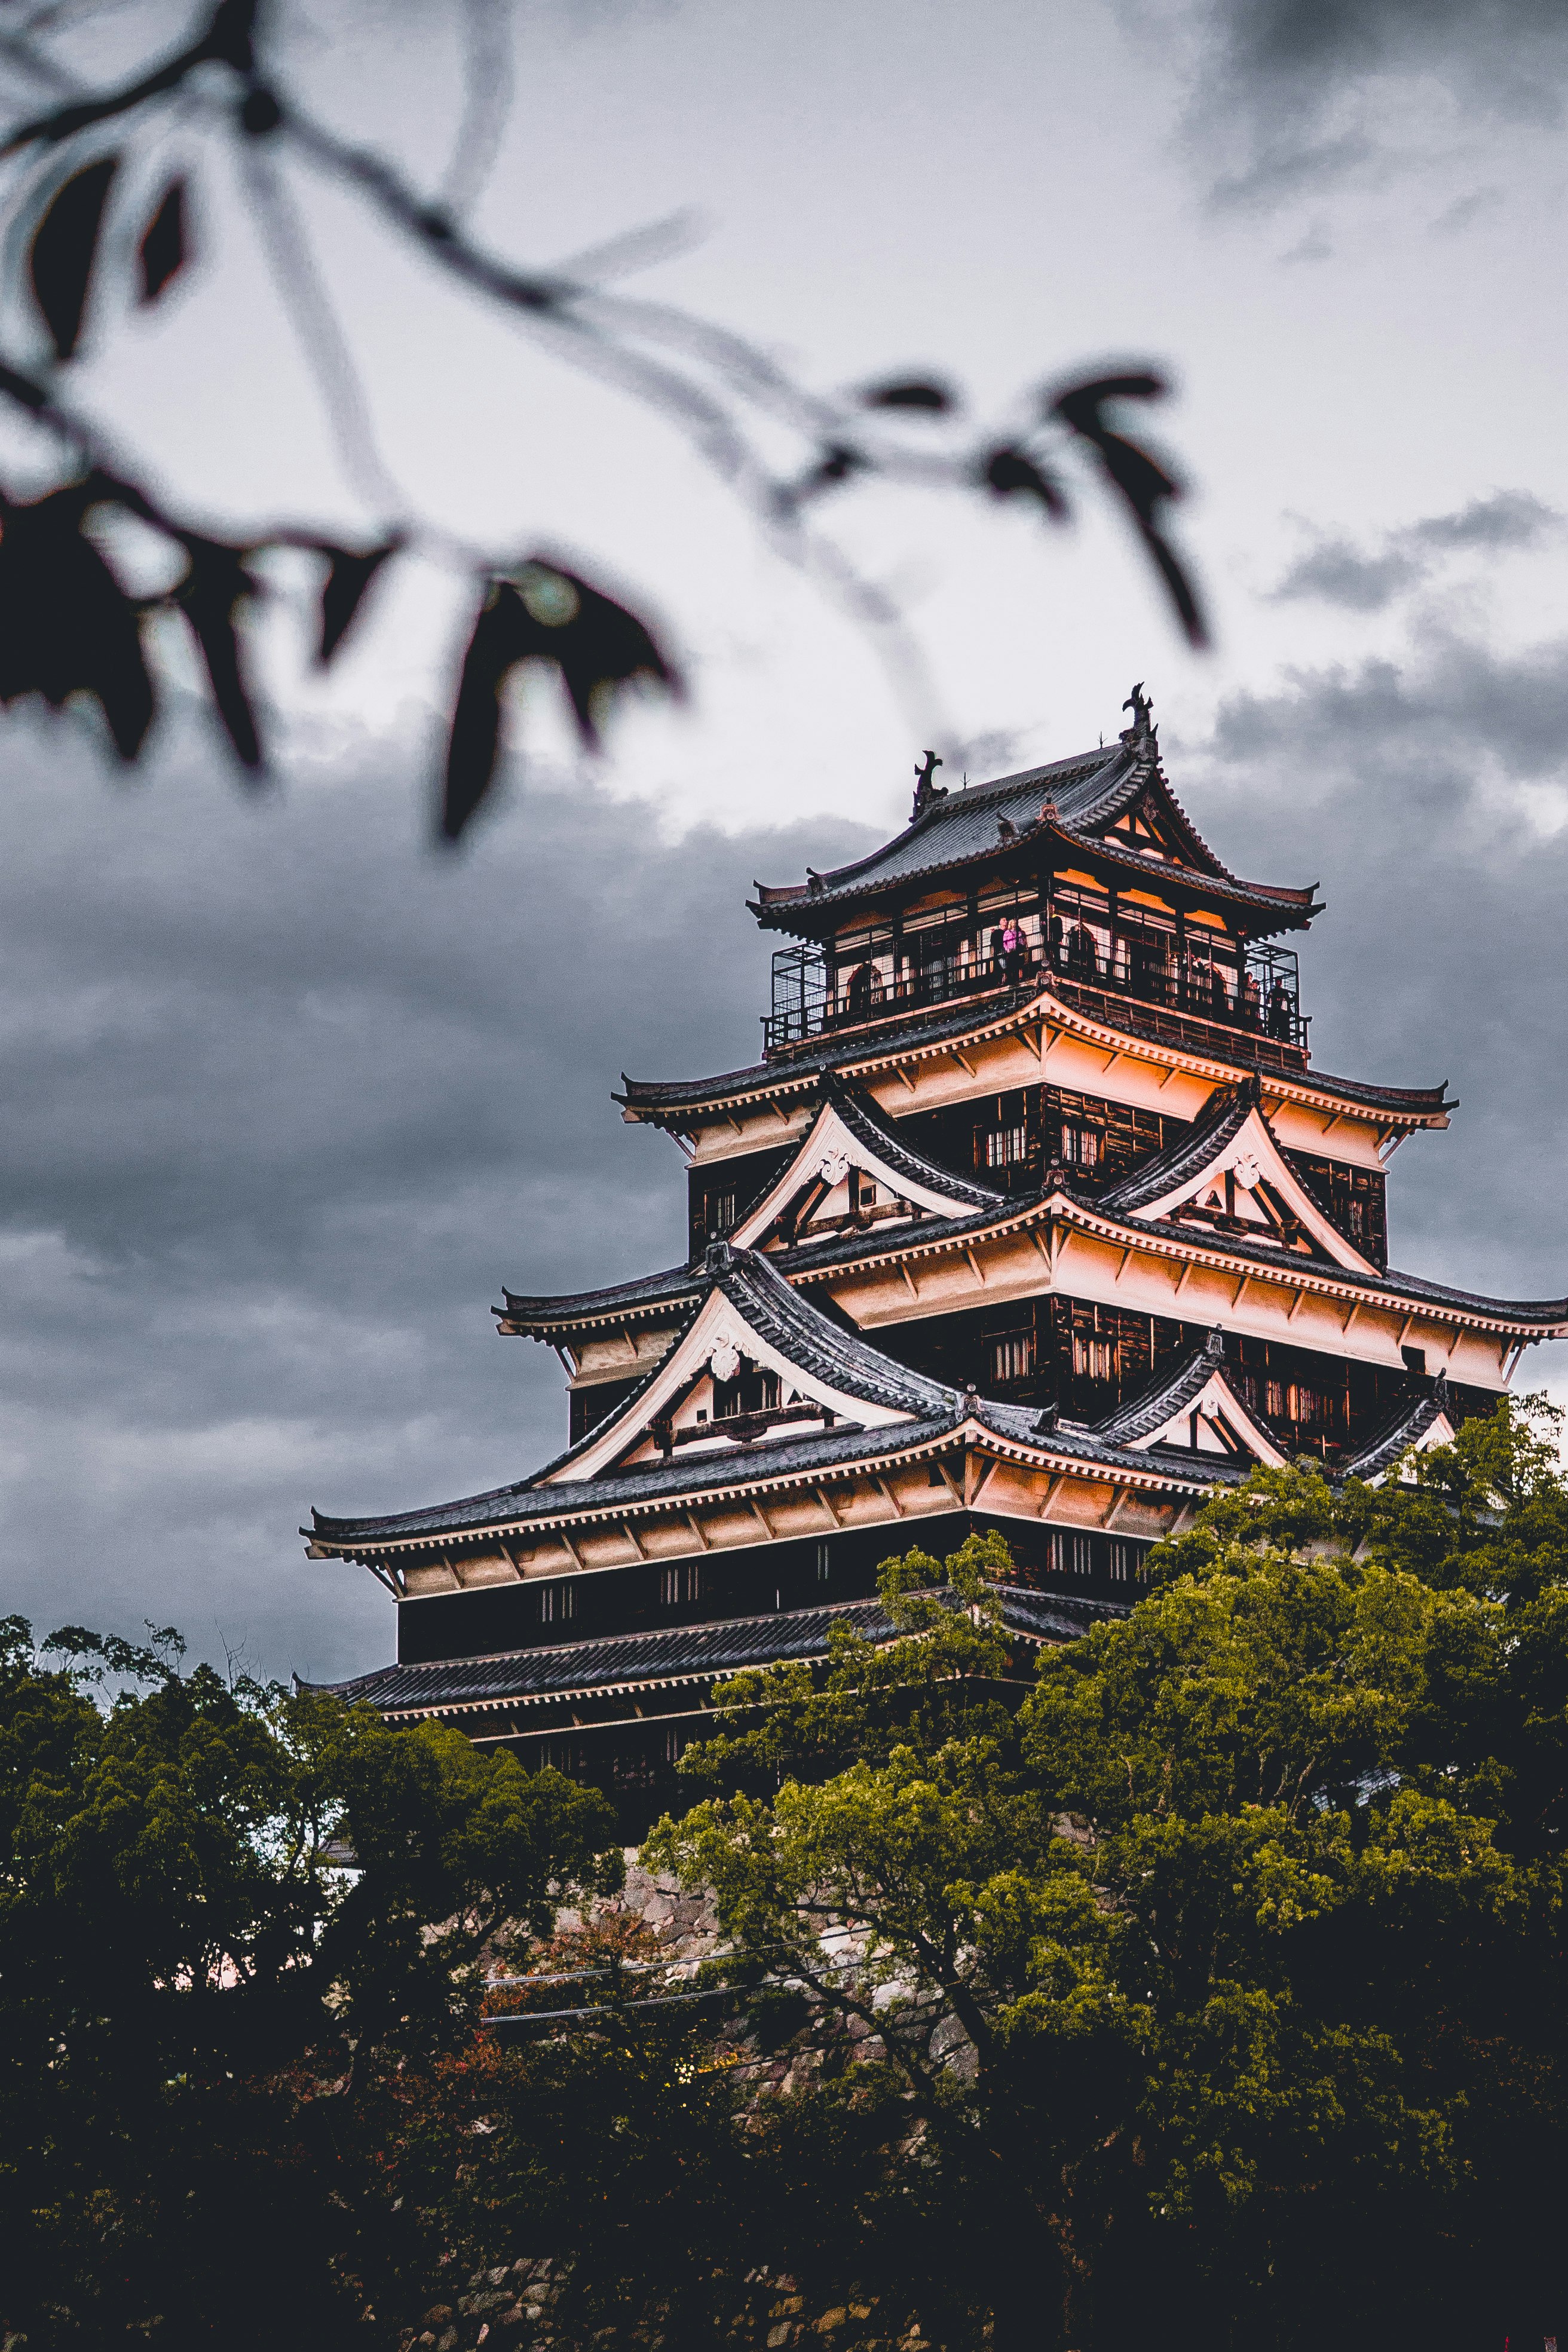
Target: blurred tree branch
<point>726,397</point>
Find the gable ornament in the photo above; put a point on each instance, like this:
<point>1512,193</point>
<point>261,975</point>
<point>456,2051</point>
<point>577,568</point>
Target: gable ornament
<point>724,1356</point>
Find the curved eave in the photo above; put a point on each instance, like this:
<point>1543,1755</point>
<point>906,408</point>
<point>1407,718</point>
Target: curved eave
<point>666,1103</point>
<point>367,1542</point>
<point>847,880</point>
<point>397,1691</point>
<point>1526,1318</point>
<point>803,912</point>
<point>568,1318</point>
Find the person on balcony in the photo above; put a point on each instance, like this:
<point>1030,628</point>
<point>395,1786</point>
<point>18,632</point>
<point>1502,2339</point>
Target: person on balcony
<point>1012,951</point>
<point>1083,959</point>
<point>1279,1021</point>
<point>860,980</point>
<point>1251,1003</point>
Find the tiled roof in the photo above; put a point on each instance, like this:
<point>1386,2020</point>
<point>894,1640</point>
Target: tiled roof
<point>680,1653</point>
<point>1088,790</point>
<point>1093,1443</point>
<point>837,1354</point>
<point>964,824</point>
<point>1409,1422</point>
<point>1403,1289</point>
<point>846,1051</point>
<point>819,1257</point>
<point>649,1482</point>
<point>880,1135</point>
<point>1163,1173</point>
<point>1187,1156</point>
<point>1168,1393</point>
<point>806,1063</point>
<point>682,1286</point>
<point>676,1286</point>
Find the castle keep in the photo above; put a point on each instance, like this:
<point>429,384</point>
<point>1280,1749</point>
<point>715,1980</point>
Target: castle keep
<point>1034,1216</point>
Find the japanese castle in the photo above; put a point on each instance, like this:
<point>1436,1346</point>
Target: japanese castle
<point>1034,1216</point>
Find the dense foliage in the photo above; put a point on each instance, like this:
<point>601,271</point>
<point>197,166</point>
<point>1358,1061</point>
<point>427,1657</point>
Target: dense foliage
<point>204,2004</point>
<point>1206,1986</point>
<point>1252,1916</point>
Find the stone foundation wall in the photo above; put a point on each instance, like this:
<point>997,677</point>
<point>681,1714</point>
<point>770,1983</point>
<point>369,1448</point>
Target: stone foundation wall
<point>513,2308</point>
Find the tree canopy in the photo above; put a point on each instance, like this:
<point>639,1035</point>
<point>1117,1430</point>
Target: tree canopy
<point>1201,1983</point>
<point>1249,1920</point>
<point>225,1913</point>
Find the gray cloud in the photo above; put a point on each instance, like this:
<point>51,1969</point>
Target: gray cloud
<point>1279,78</point>
<point>1337,572</point>
<point>286,1099</point>
<point>1507,519</point>
<point>1441,952</point>
<point>1360,580</point>
<point>1457,217</point>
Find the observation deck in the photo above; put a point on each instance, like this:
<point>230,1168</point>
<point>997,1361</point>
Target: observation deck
<point>1250,1012</point>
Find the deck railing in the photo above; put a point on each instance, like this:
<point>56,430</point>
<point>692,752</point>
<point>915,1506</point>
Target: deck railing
<point>1265,1006</point>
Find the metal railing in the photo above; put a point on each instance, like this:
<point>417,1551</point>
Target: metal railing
<point>1265,1002</point>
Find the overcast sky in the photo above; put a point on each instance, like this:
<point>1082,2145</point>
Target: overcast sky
<point>284,1098</point>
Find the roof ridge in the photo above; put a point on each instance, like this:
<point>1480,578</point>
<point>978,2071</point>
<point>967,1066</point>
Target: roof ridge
<point>857,1106</point>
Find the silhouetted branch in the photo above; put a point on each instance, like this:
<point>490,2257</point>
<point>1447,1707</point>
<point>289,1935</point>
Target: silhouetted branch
<point>486,103</point>
<point>711,383</point>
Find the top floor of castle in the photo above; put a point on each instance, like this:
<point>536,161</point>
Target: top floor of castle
<point>1086,872</point>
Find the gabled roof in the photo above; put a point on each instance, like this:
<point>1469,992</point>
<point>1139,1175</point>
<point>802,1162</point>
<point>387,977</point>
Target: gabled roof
<point>1066,804</point>
<point>849,1131</point>
<point>1234,1150</point>
<point>847,1123</point>
<point>886,1410</point>
<point>750,1311</point>
<point>1413,1426</point>
<point>1132,1205</point>
<point>679,1654</point>
<point>1196,1393</point>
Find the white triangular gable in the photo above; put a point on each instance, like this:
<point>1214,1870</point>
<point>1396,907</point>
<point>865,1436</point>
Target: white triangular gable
<point>1249,1179</point>
<point>830,1153</point>
<point>1217,1421</point>
<point>710,1351</point>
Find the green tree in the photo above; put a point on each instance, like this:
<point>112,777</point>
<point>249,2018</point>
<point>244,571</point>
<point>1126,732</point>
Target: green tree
<point>229,1918</point>
<point>1225,1977</point>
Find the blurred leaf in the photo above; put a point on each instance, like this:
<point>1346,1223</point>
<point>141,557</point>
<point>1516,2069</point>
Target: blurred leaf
<point>65,243</point>
<point>164,252</point>
<point>495,645</point>
<point>348,579</point>
<point>549,614</point>
<point>66,625</point>
<point>1006,472</point>
<point>1143,483</point>
<point>210,597</point>
<point>601,646</point>
<point>914,392</point>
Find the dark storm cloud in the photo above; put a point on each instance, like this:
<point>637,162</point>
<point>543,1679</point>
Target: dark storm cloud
<point>1278,75</point>
<point>1366,580</point>
<point>1427,797</point>
<point>285,1099</point>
